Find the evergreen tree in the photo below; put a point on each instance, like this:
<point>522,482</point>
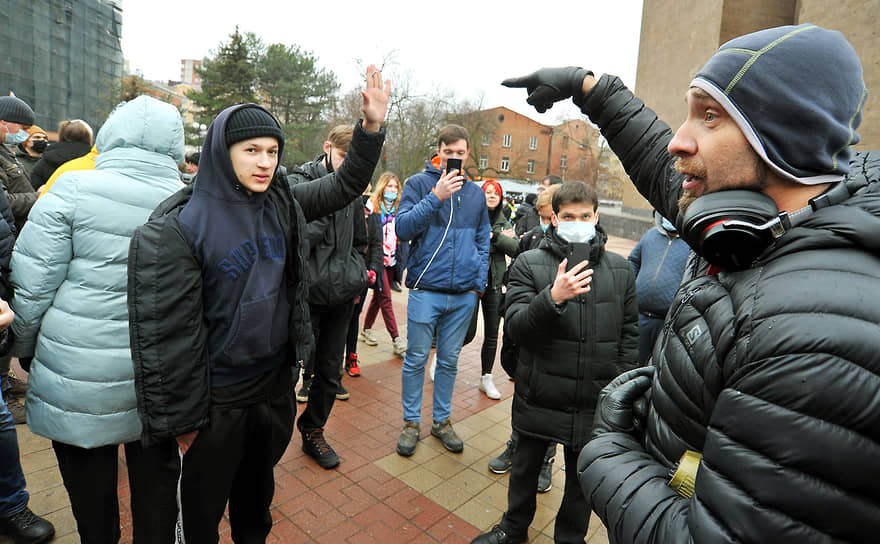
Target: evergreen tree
<point>298,93</point>
<point>228,78</point>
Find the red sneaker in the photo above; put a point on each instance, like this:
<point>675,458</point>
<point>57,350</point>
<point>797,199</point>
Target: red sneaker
<point>351,365</point>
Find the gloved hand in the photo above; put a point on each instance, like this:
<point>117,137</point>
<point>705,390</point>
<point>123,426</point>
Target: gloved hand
<point>616,409</point>
<point>549,85</point>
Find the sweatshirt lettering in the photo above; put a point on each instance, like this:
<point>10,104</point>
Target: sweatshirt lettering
<point>243,256</point>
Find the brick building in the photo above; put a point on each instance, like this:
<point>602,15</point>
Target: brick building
<point>678,37</point>
<point>506,144</point>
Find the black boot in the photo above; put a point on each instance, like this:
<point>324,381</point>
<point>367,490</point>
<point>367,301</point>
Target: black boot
<point>27,528</point>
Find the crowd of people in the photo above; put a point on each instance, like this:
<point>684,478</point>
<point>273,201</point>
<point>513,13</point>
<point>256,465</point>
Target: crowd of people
<point>719,385</point>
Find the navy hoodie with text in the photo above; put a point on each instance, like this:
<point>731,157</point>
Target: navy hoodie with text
<point>239,242</point>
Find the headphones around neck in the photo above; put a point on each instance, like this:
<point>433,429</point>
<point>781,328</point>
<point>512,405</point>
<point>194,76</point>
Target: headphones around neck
<point>730,229</point>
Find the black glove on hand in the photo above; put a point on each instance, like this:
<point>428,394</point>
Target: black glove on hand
<point>549,85</point>
<point>616,410</point>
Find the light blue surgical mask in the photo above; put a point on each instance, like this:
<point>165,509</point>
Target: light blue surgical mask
<point>389,196</point>
<point>667,224</point>
<point>545,226</point>
<point>17,138</point>
<point>578,232</point>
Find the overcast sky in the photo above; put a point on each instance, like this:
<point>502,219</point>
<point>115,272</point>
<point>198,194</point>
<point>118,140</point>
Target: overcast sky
<point>467,46</point>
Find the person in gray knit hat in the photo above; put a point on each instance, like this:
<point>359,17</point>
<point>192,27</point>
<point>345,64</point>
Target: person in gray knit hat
<point>15,118</point>
<point>757,420</point>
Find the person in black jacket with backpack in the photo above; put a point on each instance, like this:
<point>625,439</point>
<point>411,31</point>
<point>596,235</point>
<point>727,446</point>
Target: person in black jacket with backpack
<point>219,318</point>
<point>762,419</point>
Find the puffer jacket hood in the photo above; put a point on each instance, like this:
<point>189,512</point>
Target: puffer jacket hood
<point>145,124</point>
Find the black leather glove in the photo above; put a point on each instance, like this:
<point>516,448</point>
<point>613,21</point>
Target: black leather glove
<point>549,85</point>
<point>616,410</point>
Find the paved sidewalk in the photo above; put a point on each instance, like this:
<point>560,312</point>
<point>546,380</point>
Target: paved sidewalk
<point>375,495</point>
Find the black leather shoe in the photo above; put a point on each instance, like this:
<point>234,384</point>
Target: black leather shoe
<point>27,528</point>
<point>497,536</point>
<point>395,286</point>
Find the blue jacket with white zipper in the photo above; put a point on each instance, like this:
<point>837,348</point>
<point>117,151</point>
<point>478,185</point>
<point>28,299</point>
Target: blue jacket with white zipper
<point>449,239</point>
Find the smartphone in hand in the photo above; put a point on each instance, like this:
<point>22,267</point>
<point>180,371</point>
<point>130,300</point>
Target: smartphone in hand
<point>453,164</point>
<point>579,252</point>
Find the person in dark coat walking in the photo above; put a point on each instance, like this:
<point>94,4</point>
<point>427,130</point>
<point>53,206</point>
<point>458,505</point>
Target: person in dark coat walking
<point>577,325</point>
<point>762,424</point>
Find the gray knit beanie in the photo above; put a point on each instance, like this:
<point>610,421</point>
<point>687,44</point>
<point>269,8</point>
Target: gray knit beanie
<point>797,94</point>
<point>16,110</point>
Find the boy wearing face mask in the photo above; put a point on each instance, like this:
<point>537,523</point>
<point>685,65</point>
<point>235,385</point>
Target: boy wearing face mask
<point>577,326</point>
<point>31,150</point>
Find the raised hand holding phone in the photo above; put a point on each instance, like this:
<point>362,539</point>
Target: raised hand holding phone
<point>450,181</point>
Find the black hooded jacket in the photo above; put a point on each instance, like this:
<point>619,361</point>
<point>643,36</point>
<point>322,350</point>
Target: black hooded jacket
<point>337,245</point>
<point>568,354</point>
<point>772,373</point>
<point>170,335</point>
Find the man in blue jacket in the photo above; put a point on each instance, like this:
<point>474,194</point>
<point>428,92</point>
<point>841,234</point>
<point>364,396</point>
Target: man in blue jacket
<point>445,219</point>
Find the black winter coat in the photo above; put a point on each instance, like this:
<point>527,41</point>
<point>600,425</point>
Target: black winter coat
<point>773,373</point>
<point>337,245</point>
<point>19,193</point>
<point>568,355</point>
<point>55,155</point>
<point>168,335</point>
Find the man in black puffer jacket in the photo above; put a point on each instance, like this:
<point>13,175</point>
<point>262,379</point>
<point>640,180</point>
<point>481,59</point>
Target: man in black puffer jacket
<point>768,366</point>
<point>577,325</point>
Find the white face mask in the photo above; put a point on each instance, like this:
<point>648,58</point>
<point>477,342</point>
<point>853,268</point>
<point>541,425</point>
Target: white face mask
<point>577,232</point>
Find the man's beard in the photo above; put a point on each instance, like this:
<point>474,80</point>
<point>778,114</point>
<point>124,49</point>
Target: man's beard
<point>757,183</point>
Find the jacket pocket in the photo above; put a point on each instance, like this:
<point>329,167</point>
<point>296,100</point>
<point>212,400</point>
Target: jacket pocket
<point>251,336</point>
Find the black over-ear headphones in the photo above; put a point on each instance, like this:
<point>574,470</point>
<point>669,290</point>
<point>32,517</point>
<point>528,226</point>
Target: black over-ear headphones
<point>731,229</point>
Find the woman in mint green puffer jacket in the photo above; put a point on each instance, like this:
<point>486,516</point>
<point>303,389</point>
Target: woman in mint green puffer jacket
<point>69,272</point>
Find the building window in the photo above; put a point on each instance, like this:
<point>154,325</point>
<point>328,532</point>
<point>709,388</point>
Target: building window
<point>505,164</point>
<point>563,162</point>
<point>583,163</point>
<point>487,139</point>
<point>484,161</point>
<point>507,140</point>
<point>530,167</point>
<point>565,142</point>
<point>533,143</point>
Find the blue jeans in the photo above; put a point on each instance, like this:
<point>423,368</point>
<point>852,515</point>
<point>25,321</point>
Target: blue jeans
<point>13,495</point>
<point>448,315</point>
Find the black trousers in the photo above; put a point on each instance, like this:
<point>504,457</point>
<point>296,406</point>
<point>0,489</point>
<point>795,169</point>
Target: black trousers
<point>330,325</point>
<point>90,477</point>
<point>573,517</point>
<point>233,458</point>
<point>490,302</point>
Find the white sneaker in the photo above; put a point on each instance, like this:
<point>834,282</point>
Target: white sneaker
<point>399,348</point>
<point>488,386</point>
<point>432,367</point>
<point>368,338</point>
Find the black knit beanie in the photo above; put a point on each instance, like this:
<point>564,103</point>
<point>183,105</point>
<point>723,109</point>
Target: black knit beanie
<point>16,110</point>
<point>797,94</point>
<point>251,122</point>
